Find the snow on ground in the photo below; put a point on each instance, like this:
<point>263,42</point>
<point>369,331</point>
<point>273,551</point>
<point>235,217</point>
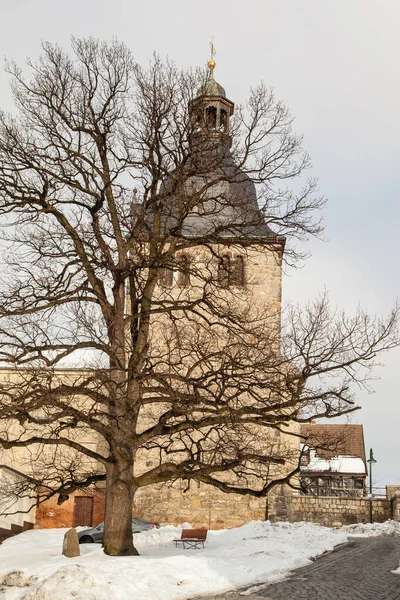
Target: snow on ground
<point>373,529</point>
<point>32,567</point>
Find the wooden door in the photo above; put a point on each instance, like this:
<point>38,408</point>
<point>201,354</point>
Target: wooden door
<point>83,511</point>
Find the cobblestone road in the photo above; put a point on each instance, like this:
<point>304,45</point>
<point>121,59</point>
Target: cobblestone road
<point>359,571</point>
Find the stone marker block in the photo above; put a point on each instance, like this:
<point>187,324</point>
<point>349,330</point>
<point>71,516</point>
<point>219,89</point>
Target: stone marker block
<point>71,544</point>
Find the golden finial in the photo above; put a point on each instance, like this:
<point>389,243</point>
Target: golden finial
<point>211,63</point>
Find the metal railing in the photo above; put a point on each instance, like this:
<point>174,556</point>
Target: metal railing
<point>378,492</point>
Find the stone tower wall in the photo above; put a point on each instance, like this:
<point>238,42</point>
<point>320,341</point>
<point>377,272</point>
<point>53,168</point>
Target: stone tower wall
<point>201,504</point>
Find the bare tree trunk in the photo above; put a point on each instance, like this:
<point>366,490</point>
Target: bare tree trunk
<point>120,491</point>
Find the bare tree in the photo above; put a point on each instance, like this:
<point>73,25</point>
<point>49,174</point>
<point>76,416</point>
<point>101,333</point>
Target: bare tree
<point>129,215</point>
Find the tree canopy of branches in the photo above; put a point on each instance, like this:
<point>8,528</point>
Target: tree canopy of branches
<point>118,201</point>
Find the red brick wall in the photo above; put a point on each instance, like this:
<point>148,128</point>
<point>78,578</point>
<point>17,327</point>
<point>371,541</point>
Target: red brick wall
<point>49,514</point>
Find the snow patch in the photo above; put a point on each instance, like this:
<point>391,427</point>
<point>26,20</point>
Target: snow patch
<point>373,529</point>
<point>247,556</point>
<point>72,579</point>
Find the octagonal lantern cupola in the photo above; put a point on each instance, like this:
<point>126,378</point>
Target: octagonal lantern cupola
<point>210,110</point>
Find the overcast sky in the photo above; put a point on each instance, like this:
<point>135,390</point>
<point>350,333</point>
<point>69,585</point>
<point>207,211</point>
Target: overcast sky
<point>336,64</point>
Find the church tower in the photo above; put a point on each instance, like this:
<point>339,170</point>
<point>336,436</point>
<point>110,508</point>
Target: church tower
<point>226,219</point>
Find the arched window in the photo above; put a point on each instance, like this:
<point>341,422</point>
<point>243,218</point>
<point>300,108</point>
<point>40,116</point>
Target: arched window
<point>211,117</point>
<point>198,122</point>
<point>223,120</point>
<point>183,278</point>
<point>224,271</point>
<point>237,273</point>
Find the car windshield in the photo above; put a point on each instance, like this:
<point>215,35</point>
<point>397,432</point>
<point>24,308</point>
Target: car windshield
<point>139,522</point>
<point>100,527</point>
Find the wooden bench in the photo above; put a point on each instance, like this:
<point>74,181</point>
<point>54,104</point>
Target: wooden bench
<point>192,538</point>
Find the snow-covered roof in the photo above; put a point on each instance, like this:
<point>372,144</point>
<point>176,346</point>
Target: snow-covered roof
<point>336,464</point>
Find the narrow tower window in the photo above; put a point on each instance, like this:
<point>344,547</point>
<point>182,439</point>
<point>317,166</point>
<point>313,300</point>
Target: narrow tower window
<point>231,271</point>
<point>237,274</point>
<point>224,271</point>
<point>183,279</point>
<point>223,121</point>
<point>165,277</point>
<point>211,117</point>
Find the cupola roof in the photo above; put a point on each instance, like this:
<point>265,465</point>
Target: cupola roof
<point>211,87</point>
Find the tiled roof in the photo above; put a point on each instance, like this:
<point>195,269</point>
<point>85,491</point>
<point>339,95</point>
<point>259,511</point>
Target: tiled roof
<point>331,441</point>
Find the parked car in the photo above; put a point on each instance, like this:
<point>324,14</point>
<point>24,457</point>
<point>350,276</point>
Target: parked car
<point>95,534</point>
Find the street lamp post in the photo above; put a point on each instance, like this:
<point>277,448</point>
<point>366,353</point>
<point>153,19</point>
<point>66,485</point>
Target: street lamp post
<point>370,461</point>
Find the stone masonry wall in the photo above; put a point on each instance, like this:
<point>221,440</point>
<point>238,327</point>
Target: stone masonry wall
<point>396,508</point>
<point>393,493</point>
<point>201,506</point>
<point>204,506</point>
<point>331,511</point>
